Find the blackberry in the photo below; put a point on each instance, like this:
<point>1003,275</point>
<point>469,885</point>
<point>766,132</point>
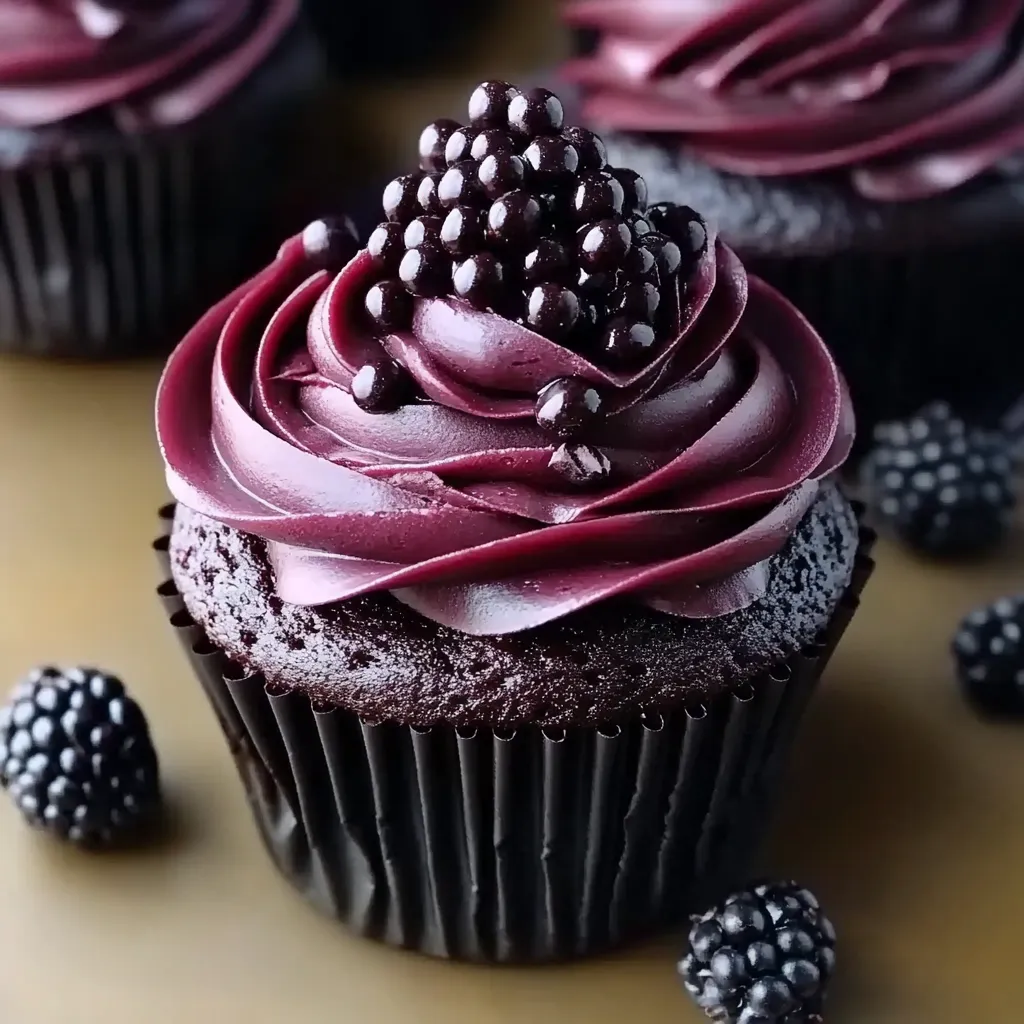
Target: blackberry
<point>988,648</point>
<point>763,956</point>
<point>76,756</point>
<point>944,487</point>
<point>517,214</point>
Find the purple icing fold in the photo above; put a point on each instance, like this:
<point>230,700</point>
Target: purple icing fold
<point>716,448</point>
<point>912,97</point>
<point>153,63</point>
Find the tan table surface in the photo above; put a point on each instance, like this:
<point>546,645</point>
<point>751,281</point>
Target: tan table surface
<point>903,811</point>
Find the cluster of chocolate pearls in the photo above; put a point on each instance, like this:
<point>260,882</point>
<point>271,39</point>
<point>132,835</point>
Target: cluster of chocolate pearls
<point>518,214</point>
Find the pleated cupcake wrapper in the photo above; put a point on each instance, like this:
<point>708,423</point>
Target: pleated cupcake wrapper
<point>526,845</point>
<point>115,253</point>
<point>910,327</point>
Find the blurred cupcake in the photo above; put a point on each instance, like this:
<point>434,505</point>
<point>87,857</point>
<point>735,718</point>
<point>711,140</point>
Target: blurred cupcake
<point>864,158</point>
<point>139,150</point>
<point>392,37</point>
<point>506,548</point>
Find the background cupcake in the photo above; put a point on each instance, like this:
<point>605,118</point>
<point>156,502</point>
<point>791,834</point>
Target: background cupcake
<point>506,549</point>
<point>865,159</point>
<point>140,151</point>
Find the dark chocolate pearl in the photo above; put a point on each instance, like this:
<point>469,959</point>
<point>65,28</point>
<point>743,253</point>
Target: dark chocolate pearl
<point>460,185</point>
<point>479,280</point>
<point>603,244</point>
<point>426,194</point>
<point>500,173</point>
<point>685,227</point>
<point>488,104</point>
<point>625,343</point>
<point>514,220</point>
<point>386,245</point>
<point>597,195</point>
<point>550,160</point>
<point>593,155</point>
<point>399,199</point>
<point>389,306</point>
<point>492,140</point>
<point>537,112</point>
<point>635,188</point>
<point>462,233</point>
<point>568,406</point>
<point>432,143</point>
<point>580,464</point>
<point>641,266</point>
<point>550,261</point>
<point>598,286</point>
<point>557,208</point>
<point>666,254</point>
<point>640,226</point>
<point>636,301</point>
<point>456,149</point>
<point>426,271</point>
<point>585,332</point>
<point>379,386</point>
<point>329,243</point>
<point>551,310</point>
<point>422,229</point>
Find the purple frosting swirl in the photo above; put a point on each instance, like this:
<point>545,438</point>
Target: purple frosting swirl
<point>716,448</point>
<point>912,97</point>
<point>153,63</point>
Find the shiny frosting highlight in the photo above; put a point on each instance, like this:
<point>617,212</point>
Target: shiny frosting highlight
<point>152,62</point>
<point>911,97</point>
<point>716,448</point>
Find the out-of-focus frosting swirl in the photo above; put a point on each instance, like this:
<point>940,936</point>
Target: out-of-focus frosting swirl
<point>716,448</point>
<point>912,97</point>
<point>151,62</point>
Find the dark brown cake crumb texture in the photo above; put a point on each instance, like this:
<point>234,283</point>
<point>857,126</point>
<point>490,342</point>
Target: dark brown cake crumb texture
<point>375,657</point>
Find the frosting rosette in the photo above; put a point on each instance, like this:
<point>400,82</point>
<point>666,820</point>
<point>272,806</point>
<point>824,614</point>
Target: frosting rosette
<point>911,97</point>
<point>454,501</point>
<point>152,63</point>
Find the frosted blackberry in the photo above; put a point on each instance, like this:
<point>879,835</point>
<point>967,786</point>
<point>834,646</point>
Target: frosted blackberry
<point>763,956</point>
<point>76,756</point>
<point>988,648</point>
<point>945,488</point>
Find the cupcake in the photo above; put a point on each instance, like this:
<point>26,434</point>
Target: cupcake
<point>140,149</point>
<point>864,159</point>
<point>415,32</point>
<point>507,547</point>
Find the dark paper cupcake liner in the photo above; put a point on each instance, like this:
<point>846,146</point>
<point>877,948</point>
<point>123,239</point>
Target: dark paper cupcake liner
<point>518,846</point>
<point>113,254</point>
<point>914,326</point>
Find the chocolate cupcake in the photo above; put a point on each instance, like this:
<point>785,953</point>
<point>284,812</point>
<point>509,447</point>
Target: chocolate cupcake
<point>140,147</point>
<point>864,159</point>
<point>506,547</point>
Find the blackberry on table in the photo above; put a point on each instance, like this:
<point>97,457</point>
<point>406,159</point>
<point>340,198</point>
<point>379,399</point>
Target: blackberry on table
<point>988,648</point>
<point>944,487</point>
<point>764,955</point>
<point>76,756</point>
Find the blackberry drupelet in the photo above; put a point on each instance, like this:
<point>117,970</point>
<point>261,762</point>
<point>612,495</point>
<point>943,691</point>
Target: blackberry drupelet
<point>763,956</point>
<point>76,756</point>
<point>944,487</point>
<point>988,648</point>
